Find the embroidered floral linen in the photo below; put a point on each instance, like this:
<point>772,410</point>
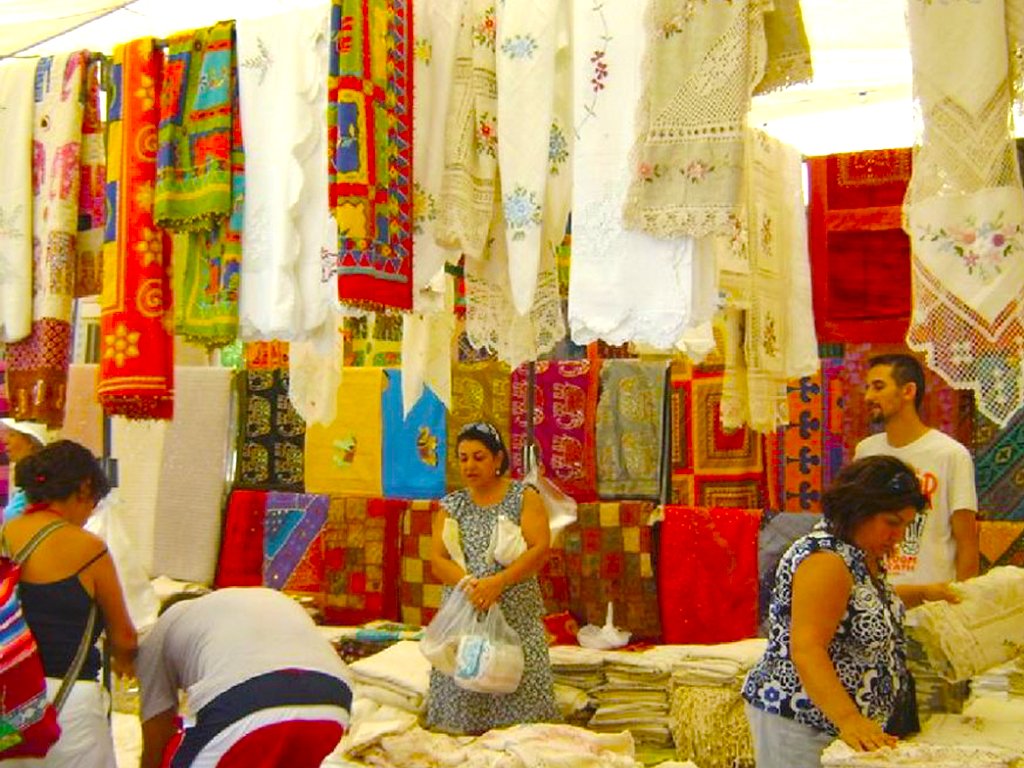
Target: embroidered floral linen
<point>136,376</point>
<point>873,617</point>
<point>965,204</point>
<point>688,152</point>
<point>770,335</point>
<point>611,296</point>
<point>38,365</point>
<point>524,70</point>
<point>282,100</point>
<point>17,88</point>
<point>436,26</point>
<point>469,182</point>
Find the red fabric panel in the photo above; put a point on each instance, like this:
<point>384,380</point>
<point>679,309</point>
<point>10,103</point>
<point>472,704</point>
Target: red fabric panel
<point>241,550</point>
<point>860,256</point>
<point>707,574</point>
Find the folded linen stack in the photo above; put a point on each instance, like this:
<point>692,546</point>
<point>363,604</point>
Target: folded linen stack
<point>983,630</point>
<point>398,676</point>
<point>636,694</point>
<point>576,672</point>
<point>706,714</point>
<point>1005,681</point>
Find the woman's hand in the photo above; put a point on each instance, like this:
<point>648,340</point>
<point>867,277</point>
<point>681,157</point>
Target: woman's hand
<point>863,734</point>
<point>484,592</point>
<point>931,593</point>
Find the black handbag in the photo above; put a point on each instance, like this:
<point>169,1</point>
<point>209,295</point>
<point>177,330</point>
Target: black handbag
<point>905,719</point>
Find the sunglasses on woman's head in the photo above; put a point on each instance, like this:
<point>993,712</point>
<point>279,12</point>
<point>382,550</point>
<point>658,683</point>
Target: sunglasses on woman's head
<point>902,482</point>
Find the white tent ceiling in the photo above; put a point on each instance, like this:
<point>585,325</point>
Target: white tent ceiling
<point>860,97</point>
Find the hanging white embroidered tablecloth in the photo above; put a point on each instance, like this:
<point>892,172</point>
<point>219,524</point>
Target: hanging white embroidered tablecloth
<point>625,285</point>
<point>17,80</point>
<point>466,204</point>
<point>770,336</point>
<point>702,63</point>
<point>964,209</point>
<point>436,25</point>
<point>524,66</point>
<point>282,69</point>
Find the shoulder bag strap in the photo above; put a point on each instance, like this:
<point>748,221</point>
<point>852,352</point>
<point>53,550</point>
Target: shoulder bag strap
<point>90,623</point>
<point>35,541</point>
<point>79,660</point>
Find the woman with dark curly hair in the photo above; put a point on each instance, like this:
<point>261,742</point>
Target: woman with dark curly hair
<point>835,662</point>
<point>66,577</point>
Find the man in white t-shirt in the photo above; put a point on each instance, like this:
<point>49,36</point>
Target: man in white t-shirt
<point>266,689</point>
<point>941,544</point>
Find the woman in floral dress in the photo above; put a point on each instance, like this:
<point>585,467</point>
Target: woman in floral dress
<point>489,493</point>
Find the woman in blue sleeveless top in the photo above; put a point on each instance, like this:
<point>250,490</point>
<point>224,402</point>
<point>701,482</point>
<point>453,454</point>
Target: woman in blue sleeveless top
<point>835,663</point>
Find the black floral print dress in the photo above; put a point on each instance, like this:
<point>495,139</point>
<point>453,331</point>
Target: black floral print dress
<point>452,709</point>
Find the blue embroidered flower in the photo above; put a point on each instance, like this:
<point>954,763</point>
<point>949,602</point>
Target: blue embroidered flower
<point>521,211</point>
<point>519,46</point>
<point>558,148</point>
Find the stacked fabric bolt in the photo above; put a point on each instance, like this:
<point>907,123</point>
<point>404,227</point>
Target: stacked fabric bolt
<point>576,672</point>
<point>935,694</point>
<point>398,676</point>
<point>1005,681</point>
<point>635,696</point>
<point>706,715</point>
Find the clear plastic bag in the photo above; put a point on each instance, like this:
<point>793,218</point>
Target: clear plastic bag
<point>561,507</point>
<point>489,658</point>
<point>455,618</point>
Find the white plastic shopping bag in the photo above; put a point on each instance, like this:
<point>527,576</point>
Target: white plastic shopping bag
<point>456,617</point>
<point>489,657</point>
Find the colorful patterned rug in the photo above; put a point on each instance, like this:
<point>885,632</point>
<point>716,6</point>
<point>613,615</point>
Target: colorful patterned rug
<point>710,466</point>
<point>707,574</point>
<point>999,468</point>
<point>361,560</point>
<point>293,550</point>
<point>812,448</point>
<point>1001,543</point>
<point>564,408</point>
<point>480,392</point>
<point>606,556</point>
<point>419,592</point>
<point>373,340</point>
<point>272,434</point>
<point>370,141</point>
<point>344,457</point>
